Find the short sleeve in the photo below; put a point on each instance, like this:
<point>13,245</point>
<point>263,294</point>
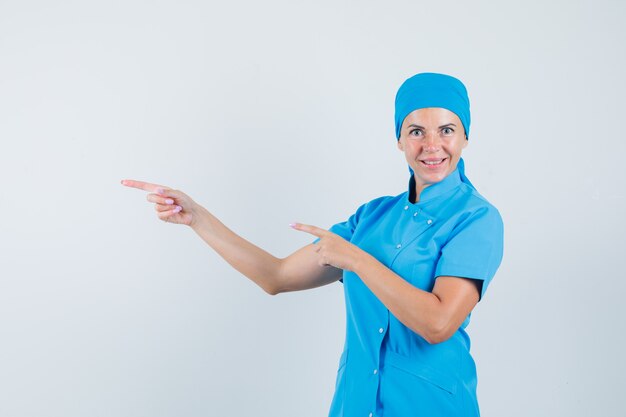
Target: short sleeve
<point>346,229</point>
<point>475,248</point>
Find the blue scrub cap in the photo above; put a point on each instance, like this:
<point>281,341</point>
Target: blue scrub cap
<point>429,89</point>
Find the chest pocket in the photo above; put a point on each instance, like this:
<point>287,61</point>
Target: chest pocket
<point>422,274</point>
<point>416,263</point>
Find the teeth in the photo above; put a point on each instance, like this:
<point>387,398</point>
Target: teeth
<point>433,162</point>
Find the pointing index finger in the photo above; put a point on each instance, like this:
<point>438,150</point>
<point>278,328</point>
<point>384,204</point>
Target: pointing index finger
<point>314,230</point>
<point>146,186</point>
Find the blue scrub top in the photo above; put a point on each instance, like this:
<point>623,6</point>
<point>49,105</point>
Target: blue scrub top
<point>386,369</point>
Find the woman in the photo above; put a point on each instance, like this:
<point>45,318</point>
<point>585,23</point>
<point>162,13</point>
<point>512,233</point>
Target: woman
<point>413,266</point>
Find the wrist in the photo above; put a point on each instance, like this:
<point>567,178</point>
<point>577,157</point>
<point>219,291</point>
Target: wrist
<point>363,262</point>
<point>198,216</point>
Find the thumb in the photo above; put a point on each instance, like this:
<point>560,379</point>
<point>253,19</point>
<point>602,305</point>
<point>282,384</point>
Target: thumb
<point>180,197</point>
<point>168,192</point>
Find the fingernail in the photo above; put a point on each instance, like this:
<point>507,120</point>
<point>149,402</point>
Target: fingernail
<point>177,209</point>
<point>292,225</point>
<point>169,201</point>
<point>160,190</point>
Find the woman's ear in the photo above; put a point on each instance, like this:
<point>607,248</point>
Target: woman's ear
<point>400,145</point>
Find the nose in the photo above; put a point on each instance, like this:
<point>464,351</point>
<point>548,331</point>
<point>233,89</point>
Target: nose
<point>432,143</point>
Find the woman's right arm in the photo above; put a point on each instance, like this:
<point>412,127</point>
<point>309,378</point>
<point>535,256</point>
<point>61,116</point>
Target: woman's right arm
<point>299,271</point>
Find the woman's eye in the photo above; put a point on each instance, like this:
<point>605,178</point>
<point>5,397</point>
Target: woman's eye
<point>415,132</point>
<point>447,131</point>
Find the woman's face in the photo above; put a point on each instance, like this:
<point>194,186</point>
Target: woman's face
<point>432,140</point>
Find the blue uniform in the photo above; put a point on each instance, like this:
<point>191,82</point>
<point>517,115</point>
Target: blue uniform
<point>386,369</point>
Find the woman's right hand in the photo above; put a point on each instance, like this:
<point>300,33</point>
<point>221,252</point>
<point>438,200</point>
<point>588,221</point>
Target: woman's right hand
<point>172,206</point>
<point>299,271</point>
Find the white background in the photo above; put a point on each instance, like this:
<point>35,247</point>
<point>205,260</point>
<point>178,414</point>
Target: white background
<point>279,111</point>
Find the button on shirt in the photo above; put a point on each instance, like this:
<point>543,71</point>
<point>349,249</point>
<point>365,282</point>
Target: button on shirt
<point>386,369</point>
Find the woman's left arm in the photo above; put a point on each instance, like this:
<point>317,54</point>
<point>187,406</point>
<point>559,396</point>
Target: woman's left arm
<point>433,315</point>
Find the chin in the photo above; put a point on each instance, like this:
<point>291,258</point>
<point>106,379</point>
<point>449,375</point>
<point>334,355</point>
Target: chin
<point>435,176</point>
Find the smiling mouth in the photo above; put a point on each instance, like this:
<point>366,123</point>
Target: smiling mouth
<point>433,163</point>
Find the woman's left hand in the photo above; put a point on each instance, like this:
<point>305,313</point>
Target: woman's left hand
<point>333,249</point>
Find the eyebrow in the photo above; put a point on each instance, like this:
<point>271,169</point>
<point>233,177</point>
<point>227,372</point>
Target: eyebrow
<point>422,127</point>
